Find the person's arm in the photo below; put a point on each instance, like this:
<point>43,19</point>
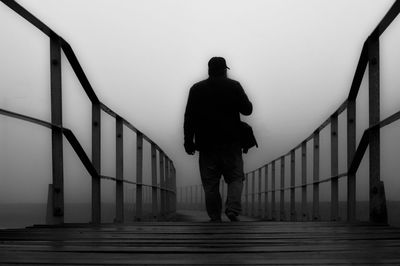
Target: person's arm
<point>244,104</point>
<point>189,124</point>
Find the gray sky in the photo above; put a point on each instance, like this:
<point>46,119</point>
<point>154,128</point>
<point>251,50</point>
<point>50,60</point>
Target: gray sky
<point>295,59</point>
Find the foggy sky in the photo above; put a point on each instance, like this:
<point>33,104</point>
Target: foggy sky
<point>295,59</point>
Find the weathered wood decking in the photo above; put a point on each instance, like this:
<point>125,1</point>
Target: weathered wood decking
<point>243,243</point>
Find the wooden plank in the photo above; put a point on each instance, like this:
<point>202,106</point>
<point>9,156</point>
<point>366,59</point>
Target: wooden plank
<point>292,184</point>
<point>282,215</point>
<point>316,174</point>
<point>377,200</point>
<point>183,243</point>
<point>154,190</point>
<point>334,169</point>
<point>56,135</point>
<point>139,176</point>
<point>273,205</point>
<point>96,161</point>
<point>304,210</point>
<point>119,167</point>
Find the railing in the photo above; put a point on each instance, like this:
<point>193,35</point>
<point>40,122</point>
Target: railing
<point>370,138</point>
<point>163,185</point>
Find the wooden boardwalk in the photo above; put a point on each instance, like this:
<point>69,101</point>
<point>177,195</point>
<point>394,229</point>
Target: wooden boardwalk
<point>185,243</point>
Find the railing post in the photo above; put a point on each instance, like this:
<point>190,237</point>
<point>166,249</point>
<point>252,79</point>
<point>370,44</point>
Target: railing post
<point>253,193</point>
<point>162,184</point>
<point>154,198</point>
<point>292,185</point>
<point>57,215</point>
<point>273,207</point>
<point>334,168</point>
<point>259,212</point>
<point>187,202</point>
<point>246,189</point>
<point>96,161</point>
<point>316,177</point>
<point>223,192</point>
<point>167,181</point>
<point>282,194</point>
<point>201,197</point>
<point>173,180</point>
<point>351,148</point>
<point>377,199</point>
<point>266,215</point>
<point>304,211</point>
<point>119,165</point>
<point>139,175</point>
<point>191,197</point>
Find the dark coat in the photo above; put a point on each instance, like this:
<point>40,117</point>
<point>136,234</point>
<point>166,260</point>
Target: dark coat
<point>212,116</point>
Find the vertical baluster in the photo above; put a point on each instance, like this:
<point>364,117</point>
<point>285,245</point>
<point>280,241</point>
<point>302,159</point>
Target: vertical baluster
<point>273,207</point>
<point>246,187</point>
<point>292,185</point>
<point>259,212</point>
<point>191,197</point>
<point>377,198</point>
<point>119,166</point>
<point>174,202</point>
<point>162,184</point>
<point>139,175</point>
<point>334,168</point>
<point>181,198</point>
<point>167,192</point>
<point>282,200</point>
<point>96,161</point>
<point>201,197</point>
<point>57,201</point>
<point>304,210</point>
<point>316,177</point>
<point>266,215</point>
<point>351,148</point>
<point>154,195</point>
<point>222,192</point>
<point>187,197</point>
<point>197,197</point>
<point>253,193</point>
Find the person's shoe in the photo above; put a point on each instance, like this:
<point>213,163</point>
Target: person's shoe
<point>232,216</point>
<point>215,220</point>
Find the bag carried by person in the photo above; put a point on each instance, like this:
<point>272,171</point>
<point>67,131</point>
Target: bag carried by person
<point>247,139</point>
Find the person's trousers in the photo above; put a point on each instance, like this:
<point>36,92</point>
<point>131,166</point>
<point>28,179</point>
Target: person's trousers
<point>226,162</point>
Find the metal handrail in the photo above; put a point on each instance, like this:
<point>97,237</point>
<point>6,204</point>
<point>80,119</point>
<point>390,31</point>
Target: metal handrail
<point>372,42</point>
<point>97,106</point>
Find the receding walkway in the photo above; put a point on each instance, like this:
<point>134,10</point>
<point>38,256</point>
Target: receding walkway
<point>243,243</point>
<point>201,216</point>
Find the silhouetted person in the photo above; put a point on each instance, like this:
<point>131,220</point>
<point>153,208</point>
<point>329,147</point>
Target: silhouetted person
<point>212,126</point>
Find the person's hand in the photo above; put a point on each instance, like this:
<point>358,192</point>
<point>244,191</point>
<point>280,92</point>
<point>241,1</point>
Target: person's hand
<point>189,148</point>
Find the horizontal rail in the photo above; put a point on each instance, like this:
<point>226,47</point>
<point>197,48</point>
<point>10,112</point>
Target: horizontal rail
<point>80,152</point>
<point>136,183</point>
<point>73,60</point>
